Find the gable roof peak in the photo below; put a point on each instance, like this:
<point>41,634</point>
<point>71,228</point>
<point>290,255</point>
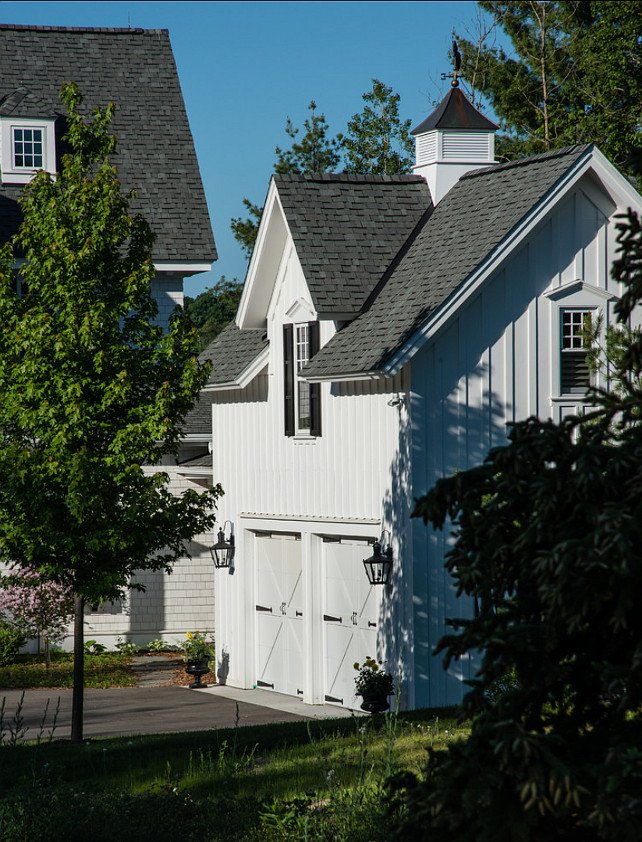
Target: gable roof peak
<point>455,111</point>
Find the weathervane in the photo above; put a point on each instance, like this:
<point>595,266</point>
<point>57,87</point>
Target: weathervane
<point>456,69</point>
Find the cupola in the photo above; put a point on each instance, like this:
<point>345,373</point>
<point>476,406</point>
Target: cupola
<point>453,140</point>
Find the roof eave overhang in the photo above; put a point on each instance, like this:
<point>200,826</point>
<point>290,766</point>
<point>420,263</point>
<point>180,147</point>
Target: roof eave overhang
<point>195,473</point>
<point>184,267</point>
<point>344,377</point>
<point>620,190</point>
<point>196,438</point>
<point>245,377</point>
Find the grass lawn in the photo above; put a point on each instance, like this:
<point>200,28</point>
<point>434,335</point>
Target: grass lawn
<point>109,669</point>
<point>317,780</point>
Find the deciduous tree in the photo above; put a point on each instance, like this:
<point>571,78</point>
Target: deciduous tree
<point>93,392</point>
<point>213,309</point>
<point>37,607</point>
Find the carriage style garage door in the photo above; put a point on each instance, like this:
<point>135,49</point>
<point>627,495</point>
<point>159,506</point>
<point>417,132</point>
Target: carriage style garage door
<point>350,617</point>
<point>279,614</point>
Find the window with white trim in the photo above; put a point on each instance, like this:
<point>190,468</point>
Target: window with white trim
<point>574,371</point>
<point>27,147</point>
<point>302,400</point>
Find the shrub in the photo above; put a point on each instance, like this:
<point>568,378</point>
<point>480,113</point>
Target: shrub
<point>10,642</point>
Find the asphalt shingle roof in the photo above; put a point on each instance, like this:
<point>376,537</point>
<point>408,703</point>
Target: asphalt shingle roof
<point>347,229</point>
<point>232,352</point>
<point>199,420</point>
<point>473,218</point>
<point>155,155</point>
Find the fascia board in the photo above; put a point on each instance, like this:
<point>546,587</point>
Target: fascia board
<point>245,377</point>
<point>196,438</point>
<point>619,188</point>
<point>187,267</point>
<point>344,378</point>
<point>592,159</point>
<point>255,297</point>
<point>197,473</point>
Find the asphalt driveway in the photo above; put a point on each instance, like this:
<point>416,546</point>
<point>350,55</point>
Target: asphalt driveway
<point>132,710</point>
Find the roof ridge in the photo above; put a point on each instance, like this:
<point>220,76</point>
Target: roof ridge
<point>111,30</point>
<point>355,178</point>
<point>576,149</point>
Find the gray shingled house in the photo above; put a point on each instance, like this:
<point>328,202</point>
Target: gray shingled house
<point>155,156</point>
<point>389,330</point>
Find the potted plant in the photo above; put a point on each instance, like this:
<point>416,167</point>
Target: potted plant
<point>374,685</point>
<point>198,654</point>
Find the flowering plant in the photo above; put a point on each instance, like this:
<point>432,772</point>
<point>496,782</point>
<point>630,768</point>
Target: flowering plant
<point>197,647</point>
<point>372,678</point>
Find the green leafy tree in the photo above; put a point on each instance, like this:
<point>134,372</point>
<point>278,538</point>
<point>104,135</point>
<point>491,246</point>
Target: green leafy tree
<point>574,75</point>
<point>377,140</point>
<point>548,536</point>
<point>213,309</point>
<point>92,390</point>
<point>315,152</point>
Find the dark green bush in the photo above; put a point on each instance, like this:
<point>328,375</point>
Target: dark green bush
<point>10,642</point>
<point>66,814</point>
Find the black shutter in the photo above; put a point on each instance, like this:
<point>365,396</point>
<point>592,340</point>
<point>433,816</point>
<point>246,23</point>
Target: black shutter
<point>288,378</point>
<point>315,388</point>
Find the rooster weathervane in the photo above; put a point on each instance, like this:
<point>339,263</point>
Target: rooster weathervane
<point>456,69</point>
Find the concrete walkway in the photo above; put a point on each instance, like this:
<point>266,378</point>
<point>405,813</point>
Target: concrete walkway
<point>149,710</point>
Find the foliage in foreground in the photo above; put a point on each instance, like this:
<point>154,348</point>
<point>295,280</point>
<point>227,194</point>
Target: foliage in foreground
<point>548,537</point>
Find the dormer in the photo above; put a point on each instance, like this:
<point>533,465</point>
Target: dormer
<point>27,137</point>
<point>453,140</point>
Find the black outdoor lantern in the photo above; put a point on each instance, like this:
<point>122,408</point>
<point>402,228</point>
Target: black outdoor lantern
<point>223,551</point>
<point>379,565</point>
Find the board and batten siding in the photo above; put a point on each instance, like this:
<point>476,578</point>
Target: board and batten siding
<point>342,482</point>
<point>496,362</point>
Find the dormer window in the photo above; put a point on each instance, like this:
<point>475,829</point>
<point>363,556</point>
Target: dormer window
<point>28,147</point>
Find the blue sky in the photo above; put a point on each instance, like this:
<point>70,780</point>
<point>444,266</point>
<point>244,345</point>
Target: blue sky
<point>246,66</point>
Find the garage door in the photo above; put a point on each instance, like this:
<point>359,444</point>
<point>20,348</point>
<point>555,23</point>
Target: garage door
<point>350,617</point>
<point>279,614</point>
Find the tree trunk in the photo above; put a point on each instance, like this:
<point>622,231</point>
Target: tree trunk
<point>79,669</point>
<point>47,654</point>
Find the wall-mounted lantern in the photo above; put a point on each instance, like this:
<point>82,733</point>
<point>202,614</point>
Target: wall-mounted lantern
<point>379,565</point>
<point>223,550</point>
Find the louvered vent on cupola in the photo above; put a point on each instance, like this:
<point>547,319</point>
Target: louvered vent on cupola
<point>455,138</point>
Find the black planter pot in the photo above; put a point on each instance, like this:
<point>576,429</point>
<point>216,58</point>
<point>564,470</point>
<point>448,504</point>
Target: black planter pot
<point>197,667</point>
<point>374,702</point>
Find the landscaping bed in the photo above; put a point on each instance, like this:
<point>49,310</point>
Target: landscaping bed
<point>107,669</point>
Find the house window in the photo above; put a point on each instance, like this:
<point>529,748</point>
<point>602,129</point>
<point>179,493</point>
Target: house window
<point>28,148</point>
<point>574,370</point>
<point>302,400</point>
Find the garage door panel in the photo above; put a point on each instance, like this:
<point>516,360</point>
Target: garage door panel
<point>353,604</point>
<point>279,628</point>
